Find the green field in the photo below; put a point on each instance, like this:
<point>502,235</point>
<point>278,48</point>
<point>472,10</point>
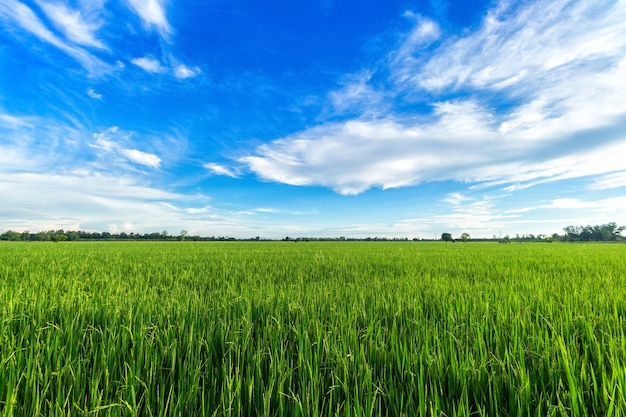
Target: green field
<point>312,329</point>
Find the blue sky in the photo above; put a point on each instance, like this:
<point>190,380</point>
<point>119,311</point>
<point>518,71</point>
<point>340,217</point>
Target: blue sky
<point>312,118</point>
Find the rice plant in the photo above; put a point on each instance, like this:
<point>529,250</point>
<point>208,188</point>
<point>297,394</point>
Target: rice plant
<point>312,329</point>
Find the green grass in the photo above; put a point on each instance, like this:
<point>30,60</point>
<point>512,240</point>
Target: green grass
<point>312,329</point>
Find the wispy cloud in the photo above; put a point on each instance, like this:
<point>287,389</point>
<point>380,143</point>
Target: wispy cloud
<point>93,94</point>
<point>36,144</point>
<point>560,67</point>
<point>609,181</point>
<point>154,66</point>
<point>523,41</point>
<point>142,158</point>
<point>599,208</point>
<point>73,24</point>
<point>456,199</point>
<point>424,33</point>
<point>82,200</point>
<point>113,142</point>
<point>17,12</point>
<point>14,122</point>
<point>199,210</point>
<point>358,94</point>
<point>152,13</point>
<point>570,204</point>
<point>149,65</point>
<point>220,169</point>
<point>182,72</point>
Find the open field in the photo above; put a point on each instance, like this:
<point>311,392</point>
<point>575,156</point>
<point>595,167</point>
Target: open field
<point>312,329</point>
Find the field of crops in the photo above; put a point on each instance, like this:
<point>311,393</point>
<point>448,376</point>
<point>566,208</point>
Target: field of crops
<point>312,329</point>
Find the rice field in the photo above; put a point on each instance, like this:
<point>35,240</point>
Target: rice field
<point>312,329</point>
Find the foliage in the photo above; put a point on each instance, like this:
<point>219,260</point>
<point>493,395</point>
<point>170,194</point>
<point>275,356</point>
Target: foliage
<point>446,237</point>
<point>605,232</point>
<point>314,329</point>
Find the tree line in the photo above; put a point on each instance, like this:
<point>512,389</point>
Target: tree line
<point>609,232</point>
<point>71,235</point>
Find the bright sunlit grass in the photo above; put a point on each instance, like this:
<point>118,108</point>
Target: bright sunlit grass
<point>312,329</point>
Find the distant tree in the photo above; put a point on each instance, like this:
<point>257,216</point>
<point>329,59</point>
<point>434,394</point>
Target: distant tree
<point>11,235</point>
<point>183,235</point>
<point>446,237</point>
<point>465,237</point>
<point>604,232</point>
<point>59,237</point>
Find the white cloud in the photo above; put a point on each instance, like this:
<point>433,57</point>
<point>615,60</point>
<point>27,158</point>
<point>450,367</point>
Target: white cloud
<point>93,94</point>
<point>25,17</point>
<point>14,157</point>
<point>82,200</point>
<point>152,13</point>
<point>220,169</point>
<point>21,14</point>
<point>182,72</point>
<point>354,156</point>
<point>14,122</point>
<point>456,199</point>
<point>154,66</point>
<point>73,24</point>
<point>201,210</point>
<point>526,42</point>
<point>142,158</point>
<point>358,95</point>
<point>607,205</point>
<point>570,203</point>
<point>562,119</point>
<point>603,208</point>
<point>35,143</point>
<point>612,180</point>
<point>423,34</point>
<point>266,210</point>
<point>149,65</point>
<point>113,142</point>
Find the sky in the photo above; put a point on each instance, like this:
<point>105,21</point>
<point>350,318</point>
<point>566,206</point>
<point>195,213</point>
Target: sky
<point>312,118</point>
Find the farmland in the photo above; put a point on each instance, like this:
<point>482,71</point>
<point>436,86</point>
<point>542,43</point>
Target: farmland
<point>312,329</point>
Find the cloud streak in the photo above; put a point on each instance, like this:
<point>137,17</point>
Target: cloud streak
<point>73,24</point>
<point>152,14</point>
<point>16,12</point>
<point>220,169</point>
